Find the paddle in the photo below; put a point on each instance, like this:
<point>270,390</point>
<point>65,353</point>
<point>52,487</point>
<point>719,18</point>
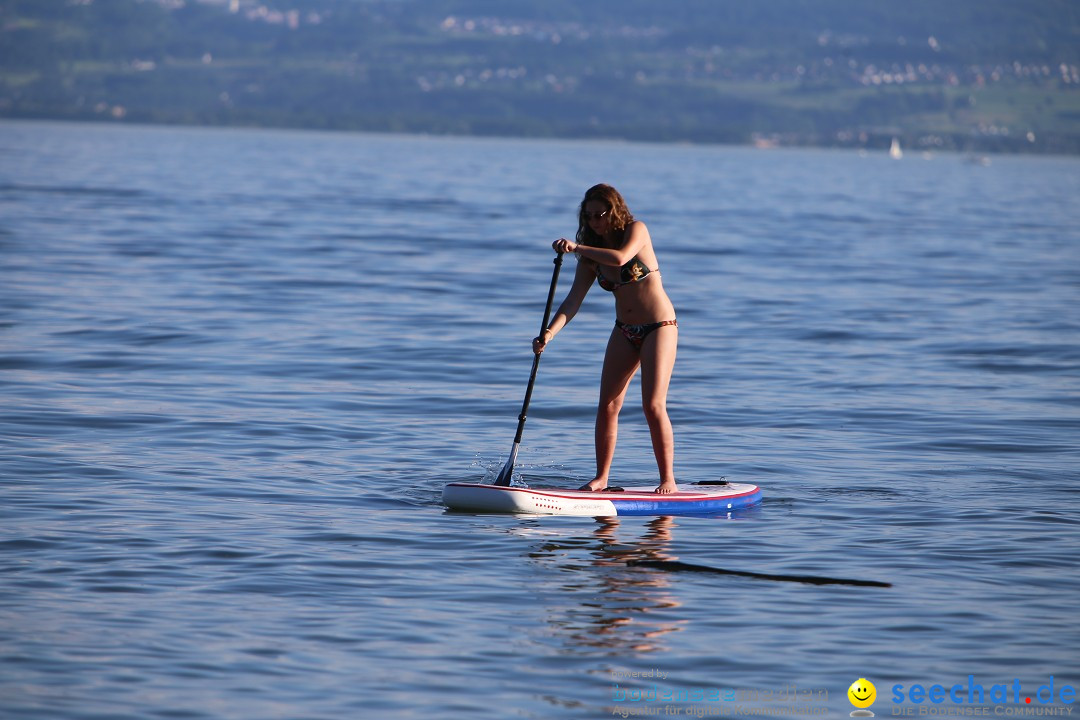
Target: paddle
<point>508,469</point>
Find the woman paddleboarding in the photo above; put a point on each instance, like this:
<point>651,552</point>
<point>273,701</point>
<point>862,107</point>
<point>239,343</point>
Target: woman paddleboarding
<point>615,251</point>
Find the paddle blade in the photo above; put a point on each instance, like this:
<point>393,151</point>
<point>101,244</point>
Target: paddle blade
<point>508,469</point>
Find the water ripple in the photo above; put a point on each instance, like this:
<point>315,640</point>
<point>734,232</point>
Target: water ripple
<point>237,367</point>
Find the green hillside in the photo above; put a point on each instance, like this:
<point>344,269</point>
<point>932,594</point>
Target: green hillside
<point>975,75</point>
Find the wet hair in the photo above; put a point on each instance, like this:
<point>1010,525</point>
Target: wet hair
<point>620,214</point>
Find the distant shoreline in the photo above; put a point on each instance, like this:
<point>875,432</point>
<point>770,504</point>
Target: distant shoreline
<point>877,143</point>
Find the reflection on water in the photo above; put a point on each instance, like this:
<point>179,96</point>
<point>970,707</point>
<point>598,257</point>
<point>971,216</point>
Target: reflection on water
<point>618,606</point>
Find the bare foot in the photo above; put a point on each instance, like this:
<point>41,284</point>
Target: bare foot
<point>666,488</point>
<point>594,485</point>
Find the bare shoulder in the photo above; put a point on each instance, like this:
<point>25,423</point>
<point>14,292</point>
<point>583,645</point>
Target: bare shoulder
<point>637,237</point>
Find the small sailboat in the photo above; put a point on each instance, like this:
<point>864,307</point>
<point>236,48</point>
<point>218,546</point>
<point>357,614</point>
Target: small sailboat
<point>894,150</point>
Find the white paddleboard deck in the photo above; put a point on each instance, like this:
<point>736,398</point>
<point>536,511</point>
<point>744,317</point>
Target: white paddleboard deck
<point>690,500</point>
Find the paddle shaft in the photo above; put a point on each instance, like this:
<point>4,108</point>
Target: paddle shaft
<point>508,469</point>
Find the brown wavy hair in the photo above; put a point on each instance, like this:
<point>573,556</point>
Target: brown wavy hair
<point>620,214</point>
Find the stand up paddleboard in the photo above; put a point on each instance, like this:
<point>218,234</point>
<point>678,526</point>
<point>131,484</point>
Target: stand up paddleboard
<point>705,498</point>
<point>696,499</point>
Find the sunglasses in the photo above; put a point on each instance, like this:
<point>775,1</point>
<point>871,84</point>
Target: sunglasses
<point>596,215</point>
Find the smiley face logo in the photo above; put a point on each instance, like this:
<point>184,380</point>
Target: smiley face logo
<point>862,694</point>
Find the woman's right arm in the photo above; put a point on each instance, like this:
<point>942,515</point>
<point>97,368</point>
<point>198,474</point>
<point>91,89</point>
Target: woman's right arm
<point>583,280</point>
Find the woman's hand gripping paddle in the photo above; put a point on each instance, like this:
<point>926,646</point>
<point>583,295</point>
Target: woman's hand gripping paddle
<point>508,469</point>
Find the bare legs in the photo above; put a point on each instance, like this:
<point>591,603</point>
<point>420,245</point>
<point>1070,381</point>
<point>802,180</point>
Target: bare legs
<point>656,360</point>
<point>657,363</point>
<point>620,363</point>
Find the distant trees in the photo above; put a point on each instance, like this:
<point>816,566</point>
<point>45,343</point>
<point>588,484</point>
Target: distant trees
<point>827,72</point>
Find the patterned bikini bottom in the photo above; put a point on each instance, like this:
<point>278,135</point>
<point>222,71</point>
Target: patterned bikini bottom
<point>636,334</point>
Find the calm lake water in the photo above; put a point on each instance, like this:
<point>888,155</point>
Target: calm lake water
<point>237,367</point>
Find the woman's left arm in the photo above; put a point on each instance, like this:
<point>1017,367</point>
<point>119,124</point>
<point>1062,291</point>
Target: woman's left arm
<point>637,237</point>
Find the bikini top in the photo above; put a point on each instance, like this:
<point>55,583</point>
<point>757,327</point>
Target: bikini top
<point>632,272</point>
